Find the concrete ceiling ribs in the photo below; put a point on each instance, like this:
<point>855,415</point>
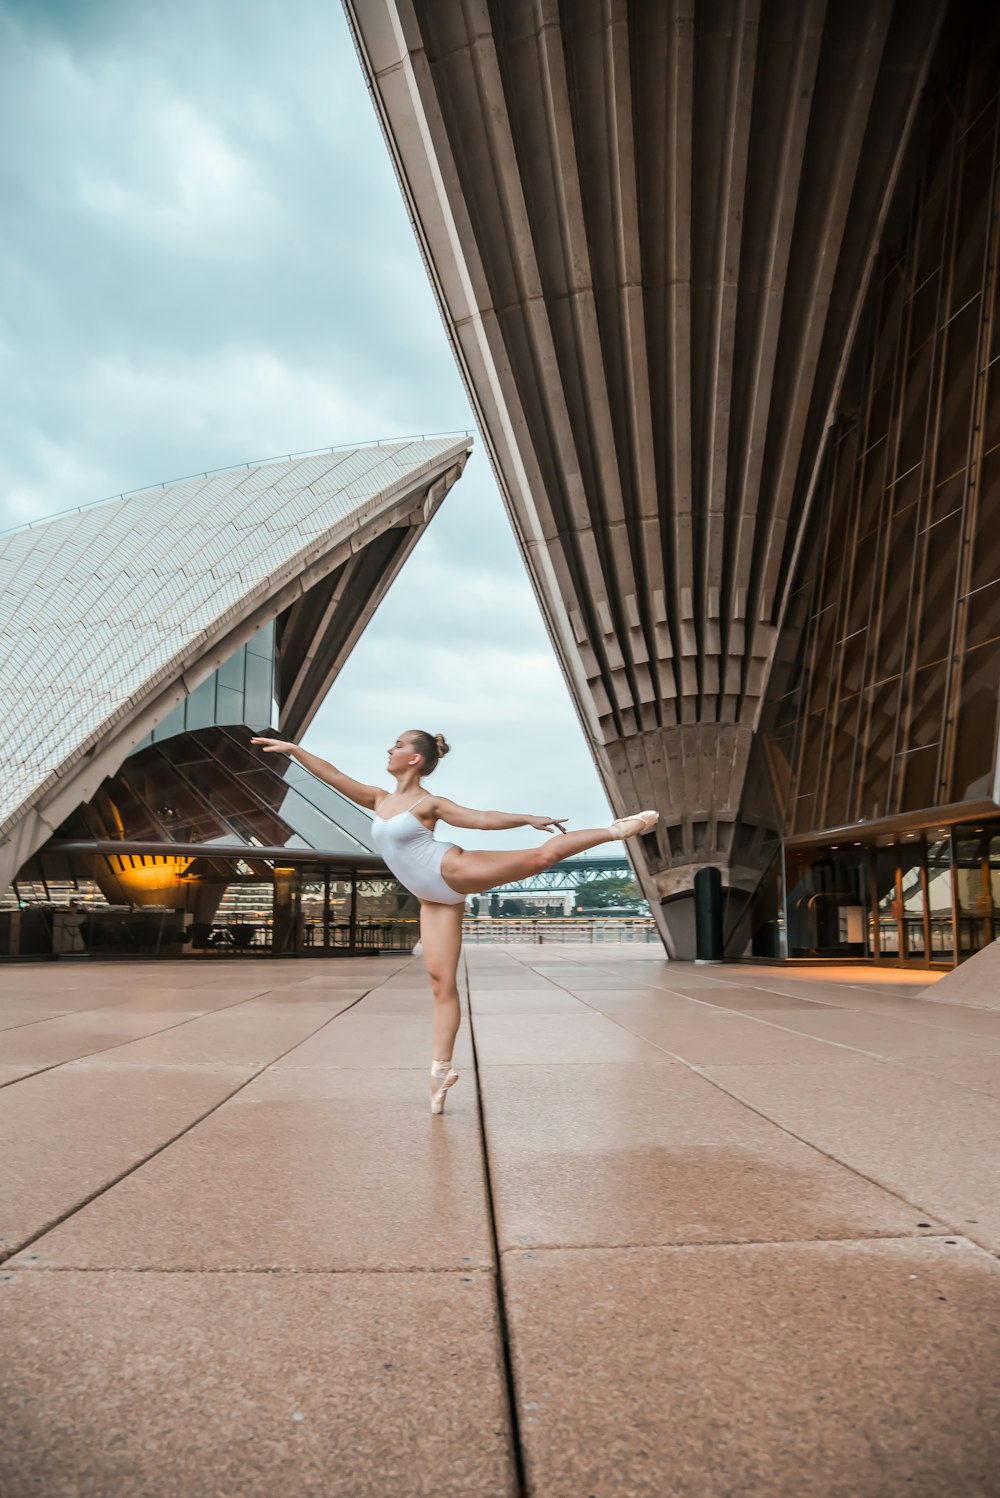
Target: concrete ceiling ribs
<point>650,227</point>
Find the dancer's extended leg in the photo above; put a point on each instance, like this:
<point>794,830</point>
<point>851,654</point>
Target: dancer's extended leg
<point>441,939</point>
<point>473,872</point>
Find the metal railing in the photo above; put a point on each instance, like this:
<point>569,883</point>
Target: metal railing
<point>207,473</point>
<point>568,931</point>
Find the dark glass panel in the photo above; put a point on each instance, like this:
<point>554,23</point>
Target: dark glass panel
<point>958,386</point>
<point>879,745</point>
<point>939,898</point>
<point>805,811</point>
<point>986,544</point>
<point>842,765</point>
<point>976,735</point>
<point>888,907</point>
<point>941,544</point>
<point>828,903</point>
<point>897,593</point>
<point>916,779</point>
<point>911,872</point>
<point>972,889</point>
<point>983,616</point>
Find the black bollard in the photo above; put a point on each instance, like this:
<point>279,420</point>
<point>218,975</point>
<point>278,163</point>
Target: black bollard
<point>708,915</point>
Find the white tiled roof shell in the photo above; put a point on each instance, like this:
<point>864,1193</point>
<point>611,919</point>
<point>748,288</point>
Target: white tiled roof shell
<point>101,607</point>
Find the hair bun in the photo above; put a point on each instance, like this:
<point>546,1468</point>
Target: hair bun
<point>442,745</point>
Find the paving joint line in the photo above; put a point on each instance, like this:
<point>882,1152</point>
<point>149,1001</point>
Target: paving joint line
<point>517,1448</point>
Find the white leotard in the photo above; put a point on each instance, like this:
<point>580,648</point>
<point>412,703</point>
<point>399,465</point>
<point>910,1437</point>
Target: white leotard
<point>414,855</point>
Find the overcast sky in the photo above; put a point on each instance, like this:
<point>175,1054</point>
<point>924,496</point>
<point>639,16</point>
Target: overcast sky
<point>205,259</point>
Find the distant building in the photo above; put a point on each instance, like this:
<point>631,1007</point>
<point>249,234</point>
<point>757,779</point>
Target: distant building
<point>722,280</point>
<point>145,640</point>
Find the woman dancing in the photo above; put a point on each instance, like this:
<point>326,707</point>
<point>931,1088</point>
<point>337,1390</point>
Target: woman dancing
<point>442,875</point>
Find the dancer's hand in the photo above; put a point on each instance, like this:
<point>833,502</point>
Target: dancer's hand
<point>275,746</point>
<point>549,824</point>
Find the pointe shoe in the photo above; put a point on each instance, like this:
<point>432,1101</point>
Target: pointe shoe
<point>640,821</point>
<point>443,1076</point>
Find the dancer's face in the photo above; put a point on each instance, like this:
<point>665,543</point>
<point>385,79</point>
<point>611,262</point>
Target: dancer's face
<point>402,756</point>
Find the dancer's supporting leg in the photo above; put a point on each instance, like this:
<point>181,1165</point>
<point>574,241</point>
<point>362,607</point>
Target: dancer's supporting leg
<point>473,872</point>
<point>441,939</point>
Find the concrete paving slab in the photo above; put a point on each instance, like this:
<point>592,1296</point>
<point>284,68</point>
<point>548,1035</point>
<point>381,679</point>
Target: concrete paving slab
<point>841,1370</point>
<point>302,1170</point>
<point>885,1037</point>
<point>70,1131</point>
<point>634,1000</point>
<point>977,1073</point>
<point>73,1036</point>
<point>340,980</point>
<point>321,1386</point>
<point>526,1001</point>
<point>627,1155</point>
<point>15,1073</point>
<point>544,1039</point>
<point>931,1141</point>
<point>15,1016</point>
<point>311,995</point>
<point>751,1000</point>
<point>403,1001</point>
<point>499,983</point>
<point>251,1034</point>
<point>920,1011</point>
<point>718,1035</point>
<point>365,1041</point>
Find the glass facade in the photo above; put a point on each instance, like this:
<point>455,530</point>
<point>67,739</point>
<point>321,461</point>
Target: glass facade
<point>240,691</point>
<point>870,825</point>
<point>921,898</point>
<point>899,708</point>
<point>221,852</point>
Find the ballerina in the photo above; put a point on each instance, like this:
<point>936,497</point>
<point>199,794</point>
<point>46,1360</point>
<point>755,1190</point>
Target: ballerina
<point>442,875</point>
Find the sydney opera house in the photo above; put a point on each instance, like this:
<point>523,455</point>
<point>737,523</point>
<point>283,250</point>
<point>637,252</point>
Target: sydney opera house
<point>146,639</point>
<point>721,277</point>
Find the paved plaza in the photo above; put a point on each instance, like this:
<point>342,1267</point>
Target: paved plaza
<point>681,1230</point>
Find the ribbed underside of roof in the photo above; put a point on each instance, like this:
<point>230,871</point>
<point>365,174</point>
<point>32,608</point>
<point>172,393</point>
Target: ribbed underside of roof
<point>650,226</point>
<point>112,614</point>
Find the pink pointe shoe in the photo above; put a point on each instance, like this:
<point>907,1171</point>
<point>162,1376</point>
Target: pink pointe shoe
<point>640,821</point>
<point>443,1076</point>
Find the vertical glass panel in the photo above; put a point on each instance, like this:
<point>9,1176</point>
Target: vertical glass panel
<point>972,887</point>
<point>939,897</point>
<point>259,691</point>
<point>888,905</point>
<point>829,903</point>
<point>200,706</point>
<point>976,740</point>
<point>231,672</point>
<point>229,705</point>
<point>911,870</point>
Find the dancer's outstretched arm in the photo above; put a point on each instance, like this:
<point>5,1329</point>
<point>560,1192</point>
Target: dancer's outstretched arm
<point>354,790</point>
<point>491,821</point>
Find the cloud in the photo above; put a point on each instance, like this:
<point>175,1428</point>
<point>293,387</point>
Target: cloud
<point>188,186</point>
